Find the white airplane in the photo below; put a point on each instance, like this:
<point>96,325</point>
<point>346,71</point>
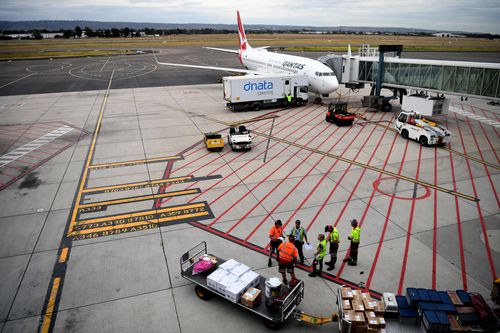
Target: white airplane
<point>259,61</point>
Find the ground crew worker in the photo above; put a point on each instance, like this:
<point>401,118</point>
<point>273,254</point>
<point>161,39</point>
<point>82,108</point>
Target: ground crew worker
<point>333,239</point>
<point>289,100</point>
<point>300,235</point>
<point>275,235</point>
<point>355,237</point>
<point>287,258</point>
<point>318,256</point>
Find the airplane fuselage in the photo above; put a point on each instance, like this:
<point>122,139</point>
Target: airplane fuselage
<point>321,78</point>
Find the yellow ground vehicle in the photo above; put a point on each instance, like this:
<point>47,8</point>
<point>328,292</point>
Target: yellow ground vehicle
<point>214,141</point>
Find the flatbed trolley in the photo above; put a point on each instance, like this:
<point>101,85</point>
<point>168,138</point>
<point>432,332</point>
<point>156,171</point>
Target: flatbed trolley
<point>273,319</point>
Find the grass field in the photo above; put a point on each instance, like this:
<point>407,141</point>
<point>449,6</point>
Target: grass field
<point>23,49</point>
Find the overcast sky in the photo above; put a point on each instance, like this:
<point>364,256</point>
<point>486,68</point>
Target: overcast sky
<point>463,15</point>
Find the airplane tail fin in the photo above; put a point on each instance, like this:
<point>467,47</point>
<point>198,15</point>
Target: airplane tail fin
<point>241,33</point>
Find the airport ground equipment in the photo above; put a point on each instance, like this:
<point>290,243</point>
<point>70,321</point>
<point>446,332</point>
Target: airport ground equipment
<point>274,319</point>
<point>412,125</point>
<point>240,139</point>
<point>214,141</point>
<point>338,114</point>
<point>426,105</point>
<point>255,92</point>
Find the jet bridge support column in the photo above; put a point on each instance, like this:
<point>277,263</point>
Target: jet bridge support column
<point>380,73</point>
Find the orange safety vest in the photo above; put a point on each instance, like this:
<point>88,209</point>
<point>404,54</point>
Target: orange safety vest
<point>287,251</point>
<point>275,232</point>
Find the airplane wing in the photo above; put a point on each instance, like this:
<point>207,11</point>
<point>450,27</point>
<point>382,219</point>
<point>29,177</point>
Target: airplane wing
<point>222,50</point>
<point>224,69</point>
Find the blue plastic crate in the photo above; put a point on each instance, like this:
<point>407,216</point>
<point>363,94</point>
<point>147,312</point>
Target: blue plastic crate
<point>464,297</point>
<point>423,295</point>
<point>445,298</point>
<point>434,296</point>
<point>430,321</point>
<point>408,316</point>
<point>402,302</point>
<point>413,297</point>
<point>448,308</point>
<point>424,306</point>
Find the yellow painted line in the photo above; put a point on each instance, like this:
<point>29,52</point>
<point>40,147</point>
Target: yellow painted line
<point>151,183</point>
<point>134,162</point>
<point>47,317</point>
<point>369,167</point>
<point>491,165</point>
<point>89,157</point>
<point>254,120</point>
<point>64,255</point>
<point>131,215</point>
<point>136,224</point>
<point>140,198</point>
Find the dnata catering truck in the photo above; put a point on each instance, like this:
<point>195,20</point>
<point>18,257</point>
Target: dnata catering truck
<point>254,92</point>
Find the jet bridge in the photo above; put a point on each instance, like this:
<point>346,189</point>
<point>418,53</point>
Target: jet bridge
<point>463,78</point>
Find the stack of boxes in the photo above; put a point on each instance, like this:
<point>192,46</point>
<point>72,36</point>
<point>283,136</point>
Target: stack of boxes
<point>233,280</point>
<point>365,314</point>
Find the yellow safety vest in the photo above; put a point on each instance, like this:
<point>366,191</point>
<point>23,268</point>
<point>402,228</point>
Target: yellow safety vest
<point>334,236</point>
<point>356,234</point>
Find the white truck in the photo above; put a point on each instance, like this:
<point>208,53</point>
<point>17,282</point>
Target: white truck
<point>254,92</point>
<point>241,139</point>
<point>426,105</point>
<point>412,125</point>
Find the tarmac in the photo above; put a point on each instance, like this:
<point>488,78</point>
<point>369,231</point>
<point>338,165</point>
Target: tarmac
<point>105,183</point>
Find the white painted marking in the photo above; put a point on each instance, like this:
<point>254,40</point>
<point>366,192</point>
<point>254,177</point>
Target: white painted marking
<point>5,85</point>
<point>474,116</point>
<point>35,144</point>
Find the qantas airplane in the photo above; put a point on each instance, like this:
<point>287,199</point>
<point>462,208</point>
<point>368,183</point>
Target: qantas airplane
<point>259,61</point>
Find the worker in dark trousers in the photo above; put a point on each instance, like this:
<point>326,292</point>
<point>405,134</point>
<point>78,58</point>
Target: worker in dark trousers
<point>275,236</point>
<point>289,100</point>
<point>318,256</point>
<point>354,238</point>
<point>287,258</point>
<point>333,239</point>
<point>300,235</point>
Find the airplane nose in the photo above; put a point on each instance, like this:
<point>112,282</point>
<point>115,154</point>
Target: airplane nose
<point>331,84</point>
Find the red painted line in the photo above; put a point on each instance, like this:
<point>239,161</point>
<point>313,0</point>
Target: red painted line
<point>324,175</point>
<point>459,227</point>
<point>248,162</point>
<point>362,173</point>
<point>434,236</point>
<point>166,174</point>
<point>489,142</point>
<point>264,179</point>
<point>479,210</point>
<point>408,232</point>
<point>277,185</point>
<point>386,222</point>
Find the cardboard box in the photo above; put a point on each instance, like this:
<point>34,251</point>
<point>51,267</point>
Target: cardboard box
<point>366,296</point>
<point>369,305</point>
<point>358,319</point>
<point>250,278</point>
<point>251,297</point>
<point>229,265</point>
<point>215,277</point>
<point>235,291</point>
<point>225,282</point>
<point>346,293</point>
<point>357,294</point>
<point>357,305</point>
<point>359,329</point>
<point>379,308</point>
<point>455,300</point>
<point>381,322</point>
<point>346,304</point>
<point>239,270</point>
<point>370,315</point>
<point>349,315</point>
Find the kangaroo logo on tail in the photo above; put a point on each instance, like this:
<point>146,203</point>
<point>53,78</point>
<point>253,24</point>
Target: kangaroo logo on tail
<point>243,38</point>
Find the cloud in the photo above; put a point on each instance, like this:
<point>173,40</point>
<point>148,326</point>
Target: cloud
<point>477,15</point>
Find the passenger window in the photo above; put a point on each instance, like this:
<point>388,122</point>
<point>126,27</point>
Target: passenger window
<point>287,81</point>
<point>402,118</point>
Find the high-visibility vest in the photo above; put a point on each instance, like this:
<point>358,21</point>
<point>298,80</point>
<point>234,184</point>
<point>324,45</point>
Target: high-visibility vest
<point>275,232</point>
<point>289,98</point>
<point>302,233</point>
<point>356,234</point>
<point>334,236</point>
<point>287,251</point>
<point>322,250</point>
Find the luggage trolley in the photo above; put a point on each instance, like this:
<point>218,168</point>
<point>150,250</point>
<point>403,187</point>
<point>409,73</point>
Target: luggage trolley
<point>272,318</point>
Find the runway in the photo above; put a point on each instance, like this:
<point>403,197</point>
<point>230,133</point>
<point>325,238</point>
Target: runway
<point>107,183</point>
